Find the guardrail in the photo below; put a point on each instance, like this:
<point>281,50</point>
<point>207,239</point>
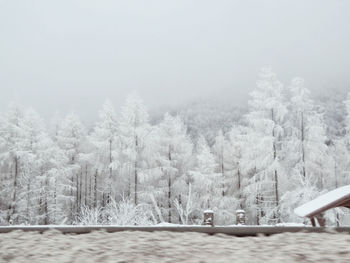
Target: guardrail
<point>240,231</point>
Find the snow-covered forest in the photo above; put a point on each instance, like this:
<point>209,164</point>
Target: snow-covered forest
<point>133,168</point>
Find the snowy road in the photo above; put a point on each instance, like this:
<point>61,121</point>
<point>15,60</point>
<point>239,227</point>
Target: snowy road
<point>99,246</point>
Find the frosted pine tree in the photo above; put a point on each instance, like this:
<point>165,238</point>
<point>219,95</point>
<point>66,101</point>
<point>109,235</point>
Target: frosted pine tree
<point>345,142</point>
<point>347,121</point>
<point>43,173</point>
<point>104,139</point>
<point>174,150</point>
<point>71,137</point>
<point>4,176</point>
<point>240,161</point>
<point>227,155</point>
<point>37,166</point>
<point>266,118</point>
<point>207,185</point>
<point>310,132</point>
<point>31,179</point>
<point>307,155</point>
<point>11,136</point>
<point>220,151</point>
<point>133,130</point>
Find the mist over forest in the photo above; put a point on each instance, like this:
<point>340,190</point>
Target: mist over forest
<point>284,148</point>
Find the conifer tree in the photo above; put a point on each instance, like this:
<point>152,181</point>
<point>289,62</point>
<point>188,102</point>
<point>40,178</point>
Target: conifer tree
<point>133,131</point>
<point>266,118</point>
<point>174,150</point>
<point>71,138</point>
<point>104,139</point>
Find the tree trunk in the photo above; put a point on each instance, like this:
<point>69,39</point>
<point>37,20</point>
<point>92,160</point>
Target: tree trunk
<point>45,188</point>
<point>135,168</point>
<point>28,202</point>
<point>135,198</point>
<point>86,185</point>
<point>77,193</point>
<point>277,197</point>
<point>95,190</point>
<point>223,174</point>
<point>55,200</point>
<point>90,192</point>
<point>275,172</point>
<point>169,198</point>
<point>336,186</point>
<point>41,208</point>
<point>129,181</point>
<point>180,203</point>
<point>12,206</point>
<point>169,189</point>
<point>80,188</point>
<point>257,209</point>
<point>46,209</point>
<point>257,198</point>
<point>239,188</point>
<point>302,143</point>
<point>71,196</point>
<point>110,172</point>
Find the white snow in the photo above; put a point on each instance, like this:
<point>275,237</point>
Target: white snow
<point>168,224</point>
<point>292,224</point>
<point>322,201</point>
<point>131,246</point>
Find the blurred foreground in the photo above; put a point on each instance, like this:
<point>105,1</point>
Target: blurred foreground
<point>128,246</point>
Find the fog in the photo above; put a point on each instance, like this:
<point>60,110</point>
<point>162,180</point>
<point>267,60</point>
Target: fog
<point>72,55</point>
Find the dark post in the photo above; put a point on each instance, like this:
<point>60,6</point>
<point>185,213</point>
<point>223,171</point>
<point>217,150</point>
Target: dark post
<point>240,217</point>
<point>313,223</point>
<point>208,218</point>
<point>321,220</point>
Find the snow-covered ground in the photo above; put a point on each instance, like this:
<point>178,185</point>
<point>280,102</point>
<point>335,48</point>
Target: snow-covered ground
<point>99,246</point>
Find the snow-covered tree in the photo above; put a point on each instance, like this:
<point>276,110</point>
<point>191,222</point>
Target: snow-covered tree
<point>266,118</point>
<point>306,153</point>
<point>133,131</point>
<point>220,152</point>
<point>174,151</point>
<point>228,154</point>
<point>343,145</point>
<point>332,101</point>
<point>308,134</point>
<point>207,185</point>
<point>38,167</point>
<point>71,138</point>
<point>104,138</point>
<point>11,136</point>
<point>347,121</point>
<point>241,161</point>
<point>44,173</point>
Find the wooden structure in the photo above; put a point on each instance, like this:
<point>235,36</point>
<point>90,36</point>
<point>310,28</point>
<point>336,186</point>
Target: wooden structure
<point>208,218</point>
<point>314,209</point>
<point>240,217</point>
<point>239,231</point>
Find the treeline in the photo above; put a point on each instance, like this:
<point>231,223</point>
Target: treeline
<point>127,171</point>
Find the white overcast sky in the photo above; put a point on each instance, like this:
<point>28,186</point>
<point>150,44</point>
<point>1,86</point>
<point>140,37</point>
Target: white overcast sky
<point>72,55</point>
